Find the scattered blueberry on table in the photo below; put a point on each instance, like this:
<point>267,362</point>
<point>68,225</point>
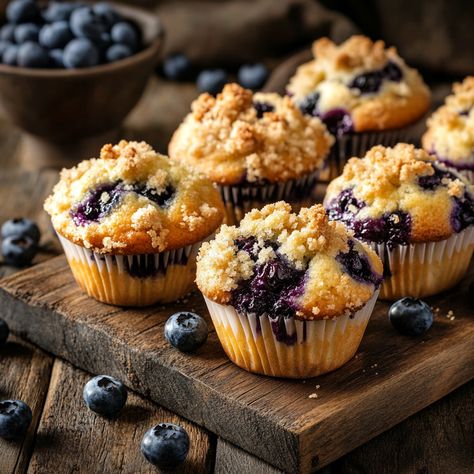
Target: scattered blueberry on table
<point>105,395</point>
<point>211,80</point>
<point>166,445</point>
<point>20,239</point>
<point>411,316</point>
<point>21,226</point>
<point>177,67</point>
<point>252,76</point>
<point>66,35</point>
<point>15,418</point>
<point>4,332</point>
<point>186,331</point>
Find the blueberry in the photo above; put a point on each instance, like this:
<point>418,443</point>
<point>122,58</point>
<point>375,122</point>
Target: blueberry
<point>166,445</point>
<point>22,11</point>
<point>263,107</point>
<point>20,227</point>
<point>57,11</point>
<point>18,251</point>
<point>33,55</point>
<point>3,47</point>
<point>7,33</point>
<point>309,104</point>
<point>26,32</point>
<point>15,418</point>
<point>177,67</point>
<point>186,331</point>
<point>56,35</point>
<point>86,24</point>
<point>211,80</point>
<point>410,316</point>
<point>117,52</point>
<point>368,82</point>
<point>10,55</point>
<point>80,52</point>
<point>56,58</point>
<point>105,395</point>
<point>125,33</point>
<point>392,72</point>
<point>252,76</point>
<point>107,14</point>
<point>4,332</point>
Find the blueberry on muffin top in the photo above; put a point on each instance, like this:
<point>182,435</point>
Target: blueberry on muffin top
<point>133,200</point>
<point>400,195</point>
<point>450,134</point>
<point>240,137</point>
<point>359,85</point>
<point>285,264</point>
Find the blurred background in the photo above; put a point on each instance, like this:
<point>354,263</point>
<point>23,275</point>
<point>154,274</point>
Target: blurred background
<point>432,35</point>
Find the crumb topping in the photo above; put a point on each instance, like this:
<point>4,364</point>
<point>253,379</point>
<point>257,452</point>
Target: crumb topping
<point>134,201</point>
<point>232,138</point>
<point>308,241</point>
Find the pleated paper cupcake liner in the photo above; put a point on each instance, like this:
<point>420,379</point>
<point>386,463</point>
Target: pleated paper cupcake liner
<point>290,347</point>
<point>357,144</point>
<point>424,269</point>
<point>468,174</point>
<point>240,199</point>
<point>133,280</point>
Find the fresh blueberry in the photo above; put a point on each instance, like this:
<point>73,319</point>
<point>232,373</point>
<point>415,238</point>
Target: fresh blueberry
<point>166,445</point>
<point>56,35</point>
<point>117,52</point>
<point>85,23</point>
<point>309,104</point>
<point>15,418</point>
<point>22,11</point>
<point>80,52</point>
<point>211,80</point>
<point>105,395</point>
<point>177,67</point>
<point>252,76</point>
<point>10,55</point>
<point>57,11</point>
<point>31,54</point>
<point>19,227</point>
<point>18,251</point>
<point>186,331</point>
<point>3,47</point>
<point>107,13</point>
<point>125,33</point>
<point>26,32</point>
<point>56,57</point>
<point>7,33</point>
<point>4,332</point>
<point>410,316</point>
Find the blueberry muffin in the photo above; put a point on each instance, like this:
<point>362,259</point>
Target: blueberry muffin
<point>417,213</point>
<point>131,223</point>
<point>258,148</point>
<point>363,92</point>
<point>450,134</point>
<point>290,294</point>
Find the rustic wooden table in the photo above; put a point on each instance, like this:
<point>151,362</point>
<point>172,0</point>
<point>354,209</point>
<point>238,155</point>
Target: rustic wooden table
<point>66,437</point>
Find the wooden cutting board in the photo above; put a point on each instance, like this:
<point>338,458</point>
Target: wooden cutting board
<point>280,421</point>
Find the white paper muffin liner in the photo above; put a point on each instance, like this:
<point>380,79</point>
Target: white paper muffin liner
<point>239,199</point>
<point>357,144</point>
<point>317,346</point>
<point>133,280</point>
<point>424,269</point>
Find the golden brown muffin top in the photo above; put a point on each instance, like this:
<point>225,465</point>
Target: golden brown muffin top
<point>132,200</point>
<point>302,263</point>
<point>239,136</point>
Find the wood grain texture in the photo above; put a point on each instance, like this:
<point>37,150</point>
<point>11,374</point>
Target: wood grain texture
<point>24,375</point>
<point>71,438</point>
<point>272,418</point>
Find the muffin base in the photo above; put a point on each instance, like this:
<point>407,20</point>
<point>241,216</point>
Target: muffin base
<point>319,346</point>
<point>424,269</point>
<point>240,199</point>
<point>357,144</point>
<point>108,278</point>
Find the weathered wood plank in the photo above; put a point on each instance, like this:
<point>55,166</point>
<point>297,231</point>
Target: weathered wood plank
<point>24,374</point>
<point>71,438</point>
<point>392,377</point>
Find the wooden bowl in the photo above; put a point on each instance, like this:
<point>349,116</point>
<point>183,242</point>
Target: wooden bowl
<point>58,108</point>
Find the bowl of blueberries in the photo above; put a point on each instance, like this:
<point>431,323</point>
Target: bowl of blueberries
<point>72,71</point>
